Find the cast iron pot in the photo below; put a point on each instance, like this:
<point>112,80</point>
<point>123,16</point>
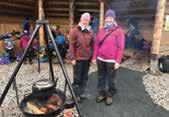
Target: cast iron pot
<point>43,89</point>
<point>32,96</point>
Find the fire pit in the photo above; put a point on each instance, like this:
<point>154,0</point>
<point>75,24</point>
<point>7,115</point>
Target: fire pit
<point>43,102</point>
<point>32,107</point>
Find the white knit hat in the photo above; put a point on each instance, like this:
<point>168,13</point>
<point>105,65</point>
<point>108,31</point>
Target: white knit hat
<point>85,16</point>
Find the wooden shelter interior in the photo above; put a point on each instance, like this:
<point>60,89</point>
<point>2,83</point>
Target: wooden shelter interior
<point>13,12</point>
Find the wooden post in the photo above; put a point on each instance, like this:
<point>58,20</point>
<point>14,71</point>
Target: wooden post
<point>71,13</point>
<point>101,13</point>
<point>41,17</point>
<point>157,35</point>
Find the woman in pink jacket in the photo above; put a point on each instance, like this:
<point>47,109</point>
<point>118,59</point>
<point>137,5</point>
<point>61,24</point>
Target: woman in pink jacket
<point>23,44</point>
<point>108,53</point>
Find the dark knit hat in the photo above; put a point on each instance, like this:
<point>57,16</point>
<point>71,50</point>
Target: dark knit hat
<point>110,13</point>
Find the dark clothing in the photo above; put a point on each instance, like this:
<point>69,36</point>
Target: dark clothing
<point>81,44</point>
<point>61,51</point>
<point>11,54</point>
<point>106,75</point>
<point>29,55</point>
<point>23,44</point>
<point>80,76</point>
<point>80,48</point>
<point>26,25</point>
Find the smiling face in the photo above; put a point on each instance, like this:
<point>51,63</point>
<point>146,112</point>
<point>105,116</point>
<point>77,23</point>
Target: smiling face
<point>85,21</point>
<point>109,20</point>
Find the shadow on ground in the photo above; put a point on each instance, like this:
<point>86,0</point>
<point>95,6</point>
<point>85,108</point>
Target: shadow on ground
<point>131,101</point>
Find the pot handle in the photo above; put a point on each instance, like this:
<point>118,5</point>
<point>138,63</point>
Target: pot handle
<point>25,95</point>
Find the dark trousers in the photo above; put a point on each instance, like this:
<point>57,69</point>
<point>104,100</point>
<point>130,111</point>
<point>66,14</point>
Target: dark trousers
<point>80,76</point>
<point>29,55</point>
<point>61,51</point>
<point>106,76</point>
<point>11,54</point>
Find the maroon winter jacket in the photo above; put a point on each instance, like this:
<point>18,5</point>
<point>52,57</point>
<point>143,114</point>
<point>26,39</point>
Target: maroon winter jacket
<point>81,44</point>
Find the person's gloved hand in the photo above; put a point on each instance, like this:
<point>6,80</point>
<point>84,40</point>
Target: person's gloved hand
<point>94,61</point>
<point>116,66</point>
<point>73,62</point>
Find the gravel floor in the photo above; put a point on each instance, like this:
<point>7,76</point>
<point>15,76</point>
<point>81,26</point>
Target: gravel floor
<point>156,86</point>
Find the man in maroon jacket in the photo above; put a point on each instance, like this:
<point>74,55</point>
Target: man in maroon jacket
<point>80,48</point>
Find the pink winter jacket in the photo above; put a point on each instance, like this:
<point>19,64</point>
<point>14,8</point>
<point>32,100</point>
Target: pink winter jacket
<point>113,46</point>
<point>24,41</point>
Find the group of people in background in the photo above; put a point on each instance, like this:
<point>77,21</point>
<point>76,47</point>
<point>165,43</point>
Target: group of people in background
<point>60,39</point>
<point>106,50</point>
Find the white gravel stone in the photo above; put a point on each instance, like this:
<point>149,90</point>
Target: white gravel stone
<point>158,88</point>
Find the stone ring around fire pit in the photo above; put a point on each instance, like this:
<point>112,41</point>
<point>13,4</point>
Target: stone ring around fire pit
<point>33,107</point>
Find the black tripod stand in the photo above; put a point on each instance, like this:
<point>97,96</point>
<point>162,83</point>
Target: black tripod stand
<point>45,23</point>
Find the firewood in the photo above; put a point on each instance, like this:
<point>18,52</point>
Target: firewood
<point>34,109</point>
<point>52,107</point>
<point>69,113</point>
<point>43,109</point>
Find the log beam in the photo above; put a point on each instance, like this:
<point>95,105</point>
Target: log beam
<point>158,26</point>
<point>71,13</point>
<point>101,13</point>
<point>157,34</point>
<point>41,16</point>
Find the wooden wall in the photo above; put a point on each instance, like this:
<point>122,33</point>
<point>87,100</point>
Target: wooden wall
<point>143,10</point>
<point>57,12</point>
<point>8,24</point>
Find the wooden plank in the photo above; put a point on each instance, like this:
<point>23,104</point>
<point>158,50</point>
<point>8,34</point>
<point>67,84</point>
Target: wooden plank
<point>57,14</point>
<point>36,11</point>
<point>88,10</point>
<point>87,4</point>
<point>59,21</point>
<point>135,9</point>
<point>7,8</point>
<point>20,12</point>
<point>137,16</point>
<point>57,3</point>
<point>2,46</point>
<point>56,9</point>
<point>129,4</point>
<point>164,38</point>
<point>167,11</point>
<point>9,27</point>
<point>15,5</point>
<point>11,20</point>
